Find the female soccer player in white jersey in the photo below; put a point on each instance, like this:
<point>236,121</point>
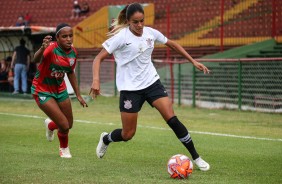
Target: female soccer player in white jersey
<point>132,45</point>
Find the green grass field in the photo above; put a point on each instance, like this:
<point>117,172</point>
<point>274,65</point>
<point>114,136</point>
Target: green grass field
<point>241,147</point>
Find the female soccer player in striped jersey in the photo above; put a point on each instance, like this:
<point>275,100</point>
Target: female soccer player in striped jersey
<point>49,89</point>
<point>132,45</point>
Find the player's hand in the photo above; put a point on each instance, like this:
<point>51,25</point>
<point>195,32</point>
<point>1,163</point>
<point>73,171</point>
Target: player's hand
<point>46,41</point>
<point>95,89</point>
<point>201,67</point>
<point>81,101</point>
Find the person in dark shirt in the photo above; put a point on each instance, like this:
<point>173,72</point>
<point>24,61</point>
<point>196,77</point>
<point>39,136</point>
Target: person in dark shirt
<point>84,9</point>
<point>76,10</point>
<point>20,63</point>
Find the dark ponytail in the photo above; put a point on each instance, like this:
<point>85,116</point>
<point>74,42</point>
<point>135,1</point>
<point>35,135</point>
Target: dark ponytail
<point>123,17</point>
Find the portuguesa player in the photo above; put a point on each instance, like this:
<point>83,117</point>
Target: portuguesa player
<point>49,89</point>
<point>132,44</point>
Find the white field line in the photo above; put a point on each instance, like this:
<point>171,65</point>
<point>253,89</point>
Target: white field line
<point>150,127</point>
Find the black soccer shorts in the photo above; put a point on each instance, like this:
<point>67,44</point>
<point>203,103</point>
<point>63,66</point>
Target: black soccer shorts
<point>132,101</point>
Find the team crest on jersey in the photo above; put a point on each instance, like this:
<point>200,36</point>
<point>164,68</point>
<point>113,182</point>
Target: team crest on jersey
<point>149,42</point>
<point>127,104</point>
<point>71,61</point>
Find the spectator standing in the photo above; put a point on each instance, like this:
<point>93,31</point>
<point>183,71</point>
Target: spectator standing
<point>27,19</point>
<point>76,10</point>
<point>21,60</point>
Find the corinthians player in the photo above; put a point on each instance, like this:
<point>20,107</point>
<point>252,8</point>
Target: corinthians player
<point>132,45</point>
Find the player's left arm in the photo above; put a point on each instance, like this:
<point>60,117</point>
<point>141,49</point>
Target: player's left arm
<point>73,81</point>
<point>179,49</point>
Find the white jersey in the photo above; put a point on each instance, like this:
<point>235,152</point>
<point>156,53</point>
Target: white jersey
<point>135,70</point>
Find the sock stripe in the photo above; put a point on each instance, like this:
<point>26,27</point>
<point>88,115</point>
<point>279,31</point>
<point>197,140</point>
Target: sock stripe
<point>186,139</point>
<point>109,136</point>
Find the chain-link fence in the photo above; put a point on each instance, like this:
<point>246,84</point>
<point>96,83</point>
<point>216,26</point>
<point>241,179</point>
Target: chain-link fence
<point>247,84</point>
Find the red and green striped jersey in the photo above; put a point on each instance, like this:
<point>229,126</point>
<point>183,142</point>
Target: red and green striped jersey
<point>49,77</point>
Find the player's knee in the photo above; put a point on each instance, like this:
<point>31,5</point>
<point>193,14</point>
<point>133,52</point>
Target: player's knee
<point>65,127</point>
<point>128,135</point>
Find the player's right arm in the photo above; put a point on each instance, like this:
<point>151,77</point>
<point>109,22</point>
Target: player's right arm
<point>95,88</point>
<point>38,55</point>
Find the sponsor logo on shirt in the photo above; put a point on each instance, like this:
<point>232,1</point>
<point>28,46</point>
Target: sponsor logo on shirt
<point>58,73</point>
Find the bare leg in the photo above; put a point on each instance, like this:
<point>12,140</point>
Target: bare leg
<point>53,110</point>
<point>61,115</point>
<point>164,106</point>
<point>129,124</point>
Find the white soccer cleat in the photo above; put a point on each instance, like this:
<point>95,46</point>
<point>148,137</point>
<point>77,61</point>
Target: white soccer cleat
<point>201,164</point>
<point>101,147</point>
<point>49,133</point>
<point>65,152</point>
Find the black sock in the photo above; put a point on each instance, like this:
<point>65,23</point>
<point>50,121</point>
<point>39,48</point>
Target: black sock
<point>183,135</point>
<point>114,136</point>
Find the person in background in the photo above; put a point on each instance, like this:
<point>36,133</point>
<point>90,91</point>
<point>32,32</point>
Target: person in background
<point>49,88</point>
<point>20,64</point>
<point>84,9</point>
<point>3,70</point>
<point>27,19</point>
<point>6,74</point>
<point>20,21</point>
<point>132,45</point>
<point>76,10</point>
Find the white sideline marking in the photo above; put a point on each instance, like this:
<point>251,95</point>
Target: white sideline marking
<point>150,127</point>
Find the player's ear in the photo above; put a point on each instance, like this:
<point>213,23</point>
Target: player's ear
<point>57,36</point>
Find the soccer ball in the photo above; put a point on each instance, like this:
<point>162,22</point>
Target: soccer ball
<point>179,166</point>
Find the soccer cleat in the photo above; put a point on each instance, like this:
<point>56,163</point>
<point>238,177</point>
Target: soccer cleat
<point>101,147</point>
<point>201,164</point>
<point>49,133</point>
<point>65,152</point>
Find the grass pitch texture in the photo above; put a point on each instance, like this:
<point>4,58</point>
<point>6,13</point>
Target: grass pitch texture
<point>231,141</point>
